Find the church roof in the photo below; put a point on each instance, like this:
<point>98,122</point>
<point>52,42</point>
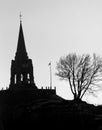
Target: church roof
<point>21,53</point>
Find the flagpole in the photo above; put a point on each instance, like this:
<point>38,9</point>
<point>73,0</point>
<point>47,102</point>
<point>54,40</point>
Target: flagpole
<point>50,75</point>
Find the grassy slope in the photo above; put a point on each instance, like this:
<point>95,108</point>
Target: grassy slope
<point>53,112</point>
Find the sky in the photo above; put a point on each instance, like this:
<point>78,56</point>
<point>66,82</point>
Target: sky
<point>52,28</point>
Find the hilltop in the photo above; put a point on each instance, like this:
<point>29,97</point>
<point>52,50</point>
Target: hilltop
<point>50,113</point>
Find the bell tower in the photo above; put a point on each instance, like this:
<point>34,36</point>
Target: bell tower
<point>21,66</point>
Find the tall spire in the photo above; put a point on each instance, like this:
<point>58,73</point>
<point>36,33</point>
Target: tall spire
<point>21,66</point>
<point>21,53</point>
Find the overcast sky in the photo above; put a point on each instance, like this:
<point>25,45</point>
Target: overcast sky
<point>52,28</point>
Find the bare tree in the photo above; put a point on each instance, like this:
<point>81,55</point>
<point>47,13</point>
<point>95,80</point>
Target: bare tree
<point>82,72</point>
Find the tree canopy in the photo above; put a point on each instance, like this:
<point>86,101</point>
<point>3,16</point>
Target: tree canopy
<point>83,72</point>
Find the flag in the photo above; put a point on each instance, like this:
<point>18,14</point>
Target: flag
<point>49,63</point>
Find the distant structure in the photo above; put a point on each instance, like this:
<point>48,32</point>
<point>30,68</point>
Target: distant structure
<point>22,77</point>
<point>21,66</point>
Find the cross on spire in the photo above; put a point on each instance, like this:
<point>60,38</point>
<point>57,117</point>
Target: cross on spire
<point>20,17</point>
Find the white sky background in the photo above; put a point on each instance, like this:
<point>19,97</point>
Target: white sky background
<point>52,28</point>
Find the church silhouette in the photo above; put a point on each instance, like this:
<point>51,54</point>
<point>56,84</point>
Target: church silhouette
<point>22,77</point>
<point>22,87</point>
<point>21,67</point>
<point>23,106</point>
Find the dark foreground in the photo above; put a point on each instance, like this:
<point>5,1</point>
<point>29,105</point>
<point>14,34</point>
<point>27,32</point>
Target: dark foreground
<point>52,113</point>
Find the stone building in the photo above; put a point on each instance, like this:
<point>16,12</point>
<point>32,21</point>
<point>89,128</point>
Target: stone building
<point>22,78</point>
<point>21,66</point>
<point>22,87</point>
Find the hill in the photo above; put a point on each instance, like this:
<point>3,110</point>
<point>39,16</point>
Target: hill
<point>50,113</point>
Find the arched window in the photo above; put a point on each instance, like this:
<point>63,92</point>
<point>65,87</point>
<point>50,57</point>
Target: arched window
<point>21,77</point>
<point>28,78</point>
<point>15,79</point>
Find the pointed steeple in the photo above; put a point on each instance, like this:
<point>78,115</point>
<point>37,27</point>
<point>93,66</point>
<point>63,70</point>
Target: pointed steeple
<point>21,66</point>
<point>21,53</point>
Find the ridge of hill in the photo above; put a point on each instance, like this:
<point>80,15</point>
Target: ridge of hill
<point>52,112</point>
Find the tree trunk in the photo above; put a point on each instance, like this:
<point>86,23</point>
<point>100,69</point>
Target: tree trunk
<point>77,98</point>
